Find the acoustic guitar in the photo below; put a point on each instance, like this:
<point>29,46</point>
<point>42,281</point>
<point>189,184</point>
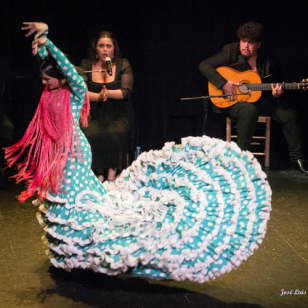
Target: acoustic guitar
<point>250,88</point>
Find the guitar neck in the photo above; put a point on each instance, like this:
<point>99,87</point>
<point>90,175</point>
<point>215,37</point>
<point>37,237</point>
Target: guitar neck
<point>267,86</point>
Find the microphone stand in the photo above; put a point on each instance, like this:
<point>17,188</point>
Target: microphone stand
<point>205,101</point>
<point>100,71</point>
<point>200,98</point>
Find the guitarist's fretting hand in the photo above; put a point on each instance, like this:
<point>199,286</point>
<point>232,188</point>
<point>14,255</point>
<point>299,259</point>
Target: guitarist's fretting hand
<point>229,89</point>
<point>277,90</point>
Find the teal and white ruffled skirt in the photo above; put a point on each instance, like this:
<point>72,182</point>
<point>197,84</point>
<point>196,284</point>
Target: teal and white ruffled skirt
<point>191,211</point>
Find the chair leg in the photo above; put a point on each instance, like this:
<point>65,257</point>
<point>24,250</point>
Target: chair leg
<point>267,141</point>
<point>228,129</point>
<point>261,119</point>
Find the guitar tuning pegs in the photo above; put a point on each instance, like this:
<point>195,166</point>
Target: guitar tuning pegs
<point>304,83</point>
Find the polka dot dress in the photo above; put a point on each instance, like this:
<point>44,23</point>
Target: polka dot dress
<point>190,211</point>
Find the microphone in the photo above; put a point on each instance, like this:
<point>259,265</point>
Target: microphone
<point>108,65</point>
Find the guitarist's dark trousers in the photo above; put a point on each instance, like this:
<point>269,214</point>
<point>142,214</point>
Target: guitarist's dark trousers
<point>245,116</point>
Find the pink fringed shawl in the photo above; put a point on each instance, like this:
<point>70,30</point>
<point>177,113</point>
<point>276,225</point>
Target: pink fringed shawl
<point>49,140</point>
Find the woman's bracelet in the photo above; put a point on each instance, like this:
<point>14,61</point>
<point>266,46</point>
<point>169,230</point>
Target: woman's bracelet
<point>44,34</point>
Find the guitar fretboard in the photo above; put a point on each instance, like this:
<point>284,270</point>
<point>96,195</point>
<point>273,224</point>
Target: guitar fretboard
<point>267,86</point>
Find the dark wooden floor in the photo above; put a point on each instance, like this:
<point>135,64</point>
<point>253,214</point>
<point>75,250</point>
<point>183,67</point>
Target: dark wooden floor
<point>275,276</point>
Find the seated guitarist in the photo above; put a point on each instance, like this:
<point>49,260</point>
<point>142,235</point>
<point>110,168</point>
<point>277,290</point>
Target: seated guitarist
<point>247,54</point>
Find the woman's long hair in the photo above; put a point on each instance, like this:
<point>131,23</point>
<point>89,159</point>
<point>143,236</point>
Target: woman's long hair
<point>50,67</point>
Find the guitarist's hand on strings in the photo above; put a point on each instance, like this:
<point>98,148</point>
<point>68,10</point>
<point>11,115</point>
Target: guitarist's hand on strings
<point>229,90</point>
<point>277,90</point>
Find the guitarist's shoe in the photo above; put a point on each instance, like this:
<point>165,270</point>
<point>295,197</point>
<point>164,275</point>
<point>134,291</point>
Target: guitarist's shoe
<point>299,164</point>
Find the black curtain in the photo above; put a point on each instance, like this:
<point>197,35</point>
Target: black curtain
<point>165,42</point>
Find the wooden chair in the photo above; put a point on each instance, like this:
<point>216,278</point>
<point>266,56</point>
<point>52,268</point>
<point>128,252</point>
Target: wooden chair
<point>258,141</point>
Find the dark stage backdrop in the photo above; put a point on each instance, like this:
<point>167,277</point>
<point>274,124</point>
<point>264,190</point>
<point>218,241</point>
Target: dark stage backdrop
<point>165,42</point>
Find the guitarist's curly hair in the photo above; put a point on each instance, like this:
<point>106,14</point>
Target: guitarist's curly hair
<point>251,30</point>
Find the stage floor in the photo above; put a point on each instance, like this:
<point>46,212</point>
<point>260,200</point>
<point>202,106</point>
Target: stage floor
<point>275,276</point>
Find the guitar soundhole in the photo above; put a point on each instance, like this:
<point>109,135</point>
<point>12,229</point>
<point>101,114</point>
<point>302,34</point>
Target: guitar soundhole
<point>244,89</point>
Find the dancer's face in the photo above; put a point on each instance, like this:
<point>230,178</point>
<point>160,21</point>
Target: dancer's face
<point>104,48</point>
<point>51,82</point>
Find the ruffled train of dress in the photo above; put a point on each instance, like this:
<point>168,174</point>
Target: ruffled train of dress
<point>191,211</point>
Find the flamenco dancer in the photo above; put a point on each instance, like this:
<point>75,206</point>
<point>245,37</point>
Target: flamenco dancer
<point>190,211</point>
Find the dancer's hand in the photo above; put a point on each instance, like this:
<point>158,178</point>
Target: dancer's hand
<point>32,27</point>
<point>39,28</point>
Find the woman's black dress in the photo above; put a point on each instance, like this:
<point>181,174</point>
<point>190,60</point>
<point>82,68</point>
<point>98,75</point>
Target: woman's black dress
<point>110,126</point>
